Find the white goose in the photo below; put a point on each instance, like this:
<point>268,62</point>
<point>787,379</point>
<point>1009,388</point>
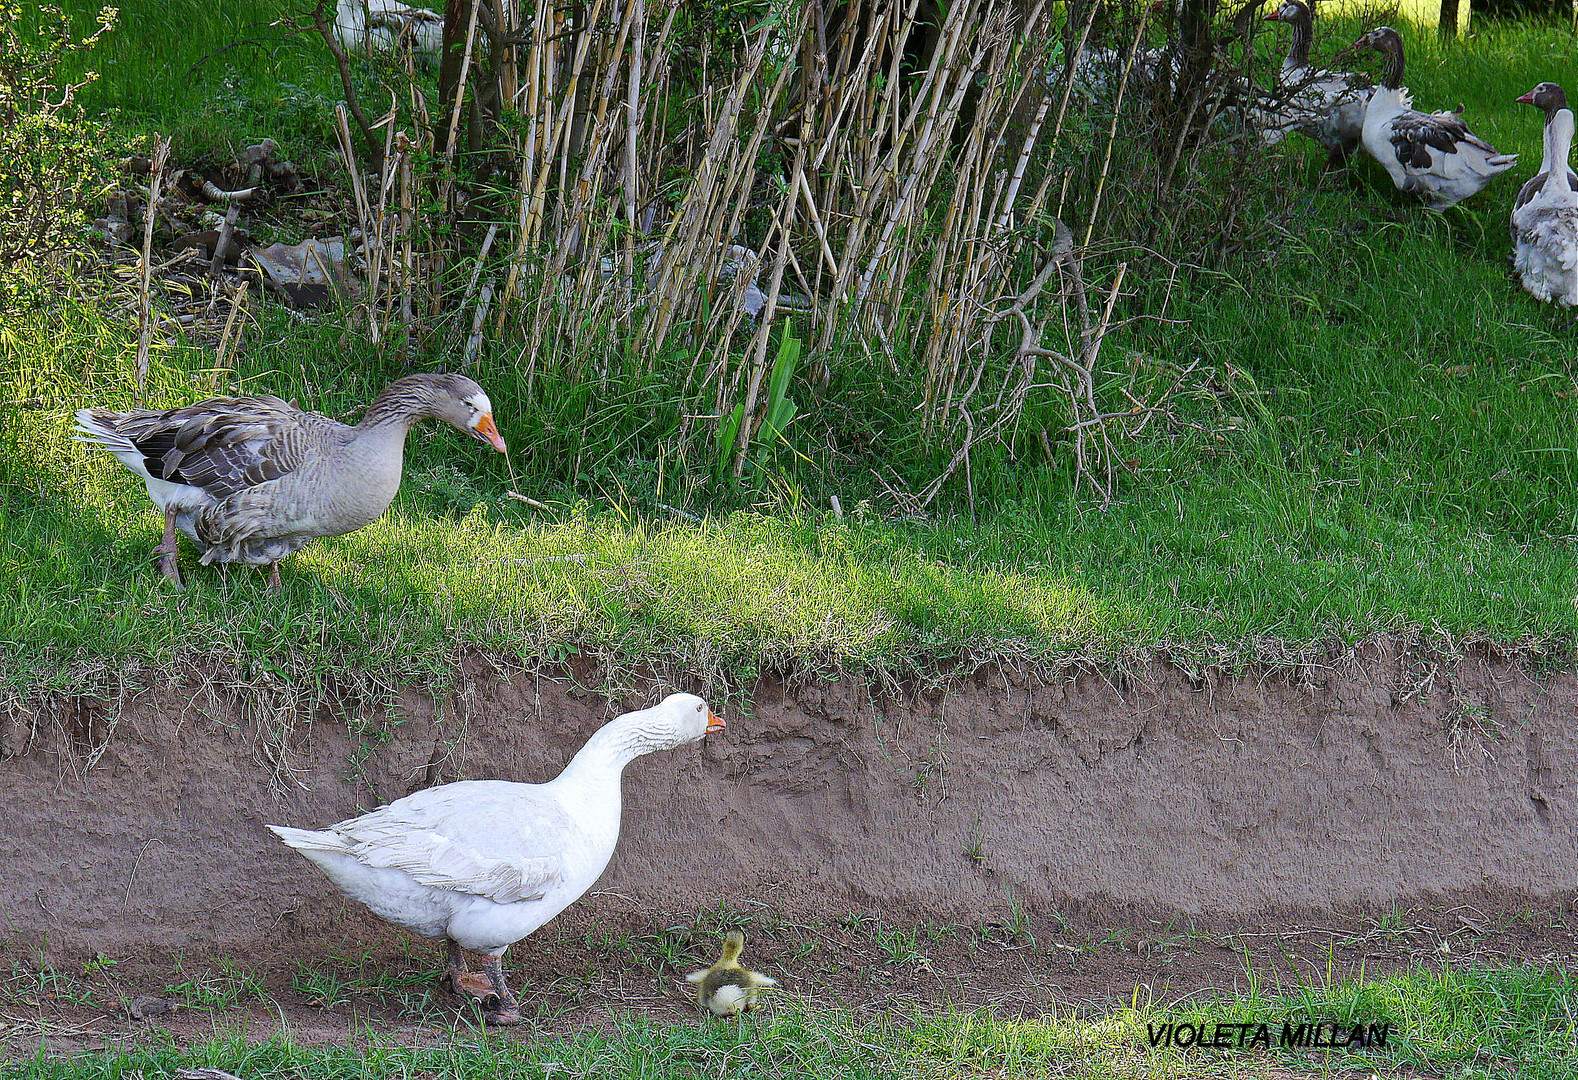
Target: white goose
<point>1326,105</point>
<point>481,864</point>
<point>253,479</point>
<point>1431,155</point>
<point>383,26</point>
<point>1545,227</point>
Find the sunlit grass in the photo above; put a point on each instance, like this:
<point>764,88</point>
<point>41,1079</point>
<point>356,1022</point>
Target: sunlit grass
<point>1369,489</point>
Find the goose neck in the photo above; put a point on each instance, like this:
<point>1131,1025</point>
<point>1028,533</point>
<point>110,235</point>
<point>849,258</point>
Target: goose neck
<point>1391,47</point>
<point>612,747</point>
<point>1547,154</point>
<point>1559,144</point>
<point>1303,33</point>
<point>400,405</point>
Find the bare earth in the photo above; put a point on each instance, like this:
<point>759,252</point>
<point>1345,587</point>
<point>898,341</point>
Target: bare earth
<point>1023,839</point>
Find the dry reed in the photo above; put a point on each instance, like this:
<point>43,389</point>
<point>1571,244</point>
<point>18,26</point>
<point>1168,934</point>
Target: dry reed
<point>899,186</point>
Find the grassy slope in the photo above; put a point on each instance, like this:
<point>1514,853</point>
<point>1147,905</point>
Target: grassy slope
<point>1447,1022</point>
<point>1404,459</point>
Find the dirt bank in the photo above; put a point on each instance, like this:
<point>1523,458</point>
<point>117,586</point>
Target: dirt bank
<point>133,822</point>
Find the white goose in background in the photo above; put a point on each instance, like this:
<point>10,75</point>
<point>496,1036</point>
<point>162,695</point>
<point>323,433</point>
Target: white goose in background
<point>481,864</point>
<point>1098,70</point>
<point>1431,155</point>
<point>385,26</point>
<point>1326,105</point>
<point>1545,228</point>
<point>1550,99</point>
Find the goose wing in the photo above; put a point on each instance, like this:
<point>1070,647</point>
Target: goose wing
<point>1532,187</point>
<point>1415,134</point>
<point>1536,184</point>
<point>222,445</point>
<point>501,841</point>
<point>397,16</point>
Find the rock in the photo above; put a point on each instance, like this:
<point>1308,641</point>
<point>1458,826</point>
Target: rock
<point>148,1006</point>
<point>309,274</point>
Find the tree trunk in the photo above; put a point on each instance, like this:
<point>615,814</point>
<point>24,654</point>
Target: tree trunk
<point>456,15</point>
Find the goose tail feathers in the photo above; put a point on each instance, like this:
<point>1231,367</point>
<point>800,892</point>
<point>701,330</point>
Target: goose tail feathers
<point>728,1000</point>
<point>97,426</point>
<point>307,840</point>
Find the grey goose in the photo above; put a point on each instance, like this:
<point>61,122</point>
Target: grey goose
<point>252,479</point>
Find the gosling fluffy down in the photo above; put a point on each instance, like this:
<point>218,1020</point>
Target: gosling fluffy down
<point>727,988</point>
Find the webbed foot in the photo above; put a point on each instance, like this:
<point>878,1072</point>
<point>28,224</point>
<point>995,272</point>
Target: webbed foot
<point>501,1008</point>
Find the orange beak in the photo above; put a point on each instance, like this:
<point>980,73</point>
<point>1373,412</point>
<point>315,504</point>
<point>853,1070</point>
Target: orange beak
<point>488,432</point>
<point>714,722</point>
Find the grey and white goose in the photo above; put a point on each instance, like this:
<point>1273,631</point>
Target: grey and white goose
<point>1545,226</point>
<point>1098,69</point>
<point>1433,156</point>
<point>385,26</point>
<point>252,479</point>
<point>1549,99</point>
<point>1328,106</point>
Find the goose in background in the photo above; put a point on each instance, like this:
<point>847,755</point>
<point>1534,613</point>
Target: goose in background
<point>1433,156</point>
<point>252,479</point>
<point>385,26</point>
<point>1550,99</point>
<point>1098,69</point>
<point>480,864</point>
<point>1326,105</point>
<point>1545,228</point>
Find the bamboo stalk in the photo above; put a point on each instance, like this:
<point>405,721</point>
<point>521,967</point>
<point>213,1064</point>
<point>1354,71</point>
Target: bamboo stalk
<point>687,226</point>
<point>476,268</point>
<point>372,237</point>
<point>631,182</point>
<point>161,153</point>
<point>407,237</point>
<point>783,220</point>
<point>237,301</point>
<point>1112,132</point>
<point>474,341</point>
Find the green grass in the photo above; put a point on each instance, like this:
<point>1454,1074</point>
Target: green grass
<point>215,77</point>
<point>215,991</point>
<point>1390,448</point>
<point>1468,1023</point>
<point>1444,503</point>
<point>337,981</point>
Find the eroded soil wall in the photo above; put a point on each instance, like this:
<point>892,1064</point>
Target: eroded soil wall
<point>135,823</point>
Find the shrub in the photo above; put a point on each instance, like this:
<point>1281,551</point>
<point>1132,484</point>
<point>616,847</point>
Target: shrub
<point>49,157</point>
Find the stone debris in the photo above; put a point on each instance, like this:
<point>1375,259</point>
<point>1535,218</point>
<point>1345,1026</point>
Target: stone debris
<point>310,274</point>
